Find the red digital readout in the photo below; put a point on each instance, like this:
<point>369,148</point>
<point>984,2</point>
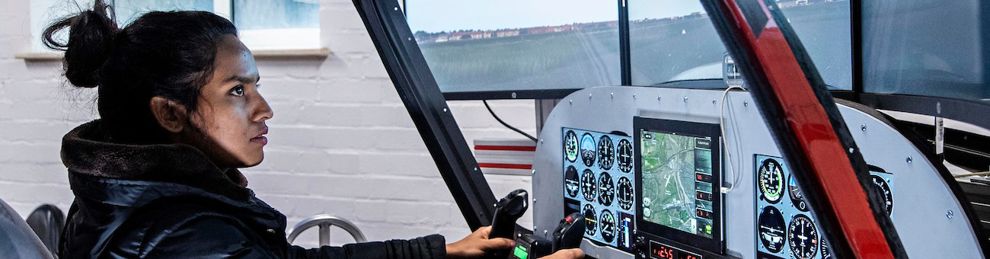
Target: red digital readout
<point>661,251</point>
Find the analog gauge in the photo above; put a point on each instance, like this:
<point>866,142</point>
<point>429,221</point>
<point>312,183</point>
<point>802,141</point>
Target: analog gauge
<point>606,189</point>
<point>625,156</point>
<point>625,193</point>
<point>588,186</point>
<point>572,184</point>
<point>590,220</point>
<point>606,153</point>
<point>588,149</point>
<point>570,146</point>
<point>797,198</point>
<point>802,237</point>
<point>771,229</point>
<point>826,251</point>
<point>607,225</point>
<point>771,180</point>
<point>884,190</point>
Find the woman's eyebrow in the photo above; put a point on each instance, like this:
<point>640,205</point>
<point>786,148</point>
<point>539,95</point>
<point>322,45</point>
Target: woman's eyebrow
<point>244,79</point>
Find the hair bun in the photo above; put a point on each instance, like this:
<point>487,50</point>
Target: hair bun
<point>91,37</point>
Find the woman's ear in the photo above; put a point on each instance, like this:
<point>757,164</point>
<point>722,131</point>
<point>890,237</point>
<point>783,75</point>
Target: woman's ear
<point>170,115</point>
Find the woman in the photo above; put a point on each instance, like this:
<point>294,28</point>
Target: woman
<point>156,175</point>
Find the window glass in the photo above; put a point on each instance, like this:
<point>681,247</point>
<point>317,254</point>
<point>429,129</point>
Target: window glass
<point>129,10</point>
<point>278,24</point>
<point>926,47</point>
<point>823,26</point>
<point>517,44</point>
<point>274,14</point>
<point>262,24</point>
<point>672,40</point>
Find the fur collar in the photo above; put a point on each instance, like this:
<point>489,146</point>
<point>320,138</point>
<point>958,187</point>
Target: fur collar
<point>86,151</point>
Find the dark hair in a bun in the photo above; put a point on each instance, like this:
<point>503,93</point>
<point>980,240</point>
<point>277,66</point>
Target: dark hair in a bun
<point>167,54</point>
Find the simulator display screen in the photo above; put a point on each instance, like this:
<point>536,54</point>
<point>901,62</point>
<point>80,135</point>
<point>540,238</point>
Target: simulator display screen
<point>677,182</point>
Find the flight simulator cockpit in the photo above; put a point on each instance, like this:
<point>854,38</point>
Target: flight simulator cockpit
<point>765,161</point>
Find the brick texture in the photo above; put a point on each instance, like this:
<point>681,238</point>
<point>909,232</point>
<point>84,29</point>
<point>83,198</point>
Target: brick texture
<point>341,141</point>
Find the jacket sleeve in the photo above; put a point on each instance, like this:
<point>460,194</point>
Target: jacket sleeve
<point>428,247</point>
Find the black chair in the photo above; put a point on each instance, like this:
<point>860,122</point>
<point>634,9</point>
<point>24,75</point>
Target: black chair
<point>16,238</point>
<point>47,222</point>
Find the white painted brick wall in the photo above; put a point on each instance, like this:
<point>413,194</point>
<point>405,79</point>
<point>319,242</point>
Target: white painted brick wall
<point>341,141</point>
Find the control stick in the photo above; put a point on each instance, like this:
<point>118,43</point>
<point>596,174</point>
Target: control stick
<point>507,211</point>
<point>569,232</point>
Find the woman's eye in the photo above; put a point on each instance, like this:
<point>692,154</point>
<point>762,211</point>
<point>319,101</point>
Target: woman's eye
<point>237,91</point>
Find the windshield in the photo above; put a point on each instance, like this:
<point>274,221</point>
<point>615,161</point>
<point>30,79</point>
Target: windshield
<point>926,47</point>
<point>485,46</point>
<point>517,44</point>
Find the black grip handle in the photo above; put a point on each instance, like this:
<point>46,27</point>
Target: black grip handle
<point>570,232</point>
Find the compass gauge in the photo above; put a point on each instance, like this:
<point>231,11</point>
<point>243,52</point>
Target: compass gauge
<point>771,229</point>
<point>771,180</point>
<point>607,226</point>
<point>802,237</point>
<point>590,220</point>
<point>797,197</point>
<point>588,149</point>
<point>625,195</point>
<point>884,190</point>
<point>625,156</point>
<point>606,153</point>
<point>570,146</point>
<point>572,184</point>
<point>589,188</point>
<point>606,189</point>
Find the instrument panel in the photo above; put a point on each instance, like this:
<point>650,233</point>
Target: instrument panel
<point>784,226</point>
<point>766,214</point>
<point>600,184</point>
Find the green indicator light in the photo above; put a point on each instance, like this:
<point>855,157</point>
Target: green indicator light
<point>520,252</point>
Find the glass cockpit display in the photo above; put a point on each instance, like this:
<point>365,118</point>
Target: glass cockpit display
<point>679,174</point>
<point>598,179</point>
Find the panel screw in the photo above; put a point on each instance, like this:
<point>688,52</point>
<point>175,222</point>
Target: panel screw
<point>685,99</point>
<point>658,98</point>
<point>634,96</point>
<point>570,101</point>
<point>513,95</point>
<point>445,109</point>
<point>745,103</point>
<point>395,8</point>
<point>589,96</point>
<point>862,127</point>
<point>611,95</point>
<point>714,101</point>
<point>949,214</point>
<point>909,160</point>
<point>852,150</point>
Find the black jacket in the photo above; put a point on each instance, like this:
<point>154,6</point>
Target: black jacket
<point>154,201</point>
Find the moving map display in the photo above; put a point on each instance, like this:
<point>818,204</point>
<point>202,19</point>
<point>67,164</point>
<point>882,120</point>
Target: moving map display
<point>679,176</point>
<point>677,187</point>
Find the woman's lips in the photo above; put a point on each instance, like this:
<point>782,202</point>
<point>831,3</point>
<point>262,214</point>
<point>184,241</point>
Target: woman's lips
<point>260,140</point>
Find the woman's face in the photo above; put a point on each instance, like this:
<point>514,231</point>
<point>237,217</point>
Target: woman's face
<point>230,112</point>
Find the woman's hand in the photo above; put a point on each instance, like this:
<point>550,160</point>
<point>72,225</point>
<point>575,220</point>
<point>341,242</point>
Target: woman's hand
<point>475,245</point>
<point>573,253</point>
